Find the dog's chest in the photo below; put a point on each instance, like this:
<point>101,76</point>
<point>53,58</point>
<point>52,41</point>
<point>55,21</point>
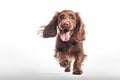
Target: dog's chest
<point>66,47</point>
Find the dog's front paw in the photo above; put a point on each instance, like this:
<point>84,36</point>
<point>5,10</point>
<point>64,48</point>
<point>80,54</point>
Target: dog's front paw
<point>64,63</point>
<point>77,72</point>
<point>67,69</point>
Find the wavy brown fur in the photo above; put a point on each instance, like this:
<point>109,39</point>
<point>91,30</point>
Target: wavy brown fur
<point>66,51</point>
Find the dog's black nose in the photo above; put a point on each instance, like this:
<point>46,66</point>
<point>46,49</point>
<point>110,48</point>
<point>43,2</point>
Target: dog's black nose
<point>65,24</point>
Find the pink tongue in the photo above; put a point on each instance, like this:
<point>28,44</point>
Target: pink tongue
<point>65,36</point>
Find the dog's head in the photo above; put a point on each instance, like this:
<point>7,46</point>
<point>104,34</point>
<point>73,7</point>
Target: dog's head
<point>68,23</point>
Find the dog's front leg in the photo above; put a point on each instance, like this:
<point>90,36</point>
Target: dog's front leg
<point>79,57</point>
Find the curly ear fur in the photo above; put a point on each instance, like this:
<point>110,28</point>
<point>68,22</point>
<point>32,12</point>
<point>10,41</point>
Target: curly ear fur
<point>51,29</point>
<point>80,31</point>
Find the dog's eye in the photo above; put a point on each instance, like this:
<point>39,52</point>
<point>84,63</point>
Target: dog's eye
<point>72,18</point>
<point>61,16</point>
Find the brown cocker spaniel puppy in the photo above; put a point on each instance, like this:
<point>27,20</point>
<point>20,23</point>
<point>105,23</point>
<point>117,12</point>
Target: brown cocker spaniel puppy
<point>69,28</point>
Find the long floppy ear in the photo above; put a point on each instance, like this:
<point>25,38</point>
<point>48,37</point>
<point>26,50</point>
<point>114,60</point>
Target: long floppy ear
<point>51,29</point>
<point>80,31</point>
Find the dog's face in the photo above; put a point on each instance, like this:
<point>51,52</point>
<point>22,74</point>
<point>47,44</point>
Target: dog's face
<point>66,24</point>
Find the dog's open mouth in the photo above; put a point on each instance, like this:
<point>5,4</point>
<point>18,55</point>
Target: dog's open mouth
<point>65,35</point>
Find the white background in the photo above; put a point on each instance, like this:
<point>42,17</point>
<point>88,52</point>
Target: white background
<point>24,55</point>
